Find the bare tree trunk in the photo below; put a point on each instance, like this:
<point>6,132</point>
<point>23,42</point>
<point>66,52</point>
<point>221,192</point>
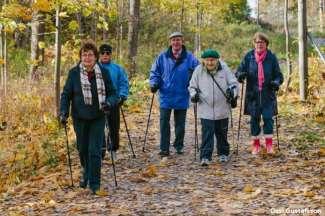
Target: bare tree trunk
<point>34,47</point>
<point>321,14</point>
<point>258,12</point>
<point>105,32</point>
<point>4,72</point>
<point>303,61</point>
<point>287,33</point>
<point>197,42</point>
<point>93,27</point>
<point>3,56</point>
<point>80,23</point>
<point>119,30</point>
<point>57,60</point>
<point>133,35</point>
<point>182,17</point>
<point>41,37</point>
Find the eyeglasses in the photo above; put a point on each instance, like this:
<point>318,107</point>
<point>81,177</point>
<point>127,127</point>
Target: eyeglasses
<point>259,42</point>
<point>105,52</point>
<point>85,55</point>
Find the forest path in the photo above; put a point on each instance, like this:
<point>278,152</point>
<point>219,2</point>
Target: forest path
<point>147,185</point>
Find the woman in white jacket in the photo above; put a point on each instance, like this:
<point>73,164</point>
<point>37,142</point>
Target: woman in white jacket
<point>213,87</point>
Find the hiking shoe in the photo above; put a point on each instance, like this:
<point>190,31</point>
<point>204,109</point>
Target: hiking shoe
<point>164,153</point>
<point>179,151</point>
<point>223,158</point>
<point>256,145</point>
<point>82,183</point>
<point>269,145</point>
<point>204,162</point>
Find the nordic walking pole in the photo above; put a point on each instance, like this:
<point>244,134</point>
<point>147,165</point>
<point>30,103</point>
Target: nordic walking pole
<point>111,151</point>
<point>145,135</point>
<point>127,132</point>
<point>196,141</point>
<point>277,131</point>
<point>240,111</point>
<point>68,150</point>
<point>276,122</point>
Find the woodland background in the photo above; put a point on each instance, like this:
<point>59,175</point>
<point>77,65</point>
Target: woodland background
<point>40,40</point>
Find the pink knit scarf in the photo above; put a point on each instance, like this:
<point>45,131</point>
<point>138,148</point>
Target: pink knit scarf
<point>259,57</point>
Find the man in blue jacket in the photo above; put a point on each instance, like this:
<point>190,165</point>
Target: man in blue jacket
<point>170,74</point>
<point>121,84</point>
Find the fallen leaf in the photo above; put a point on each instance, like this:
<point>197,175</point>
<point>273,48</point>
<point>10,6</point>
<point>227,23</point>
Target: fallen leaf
<point>101,193</point>
<point>248,188</point>
<point>137,179</point>
<point>309,193</point>
<point>321,152</point>
<point>151,171</point>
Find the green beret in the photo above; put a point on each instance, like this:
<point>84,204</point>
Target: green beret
<point>210,53</point>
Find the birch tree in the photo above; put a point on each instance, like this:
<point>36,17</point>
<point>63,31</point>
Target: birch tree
<point>133,35</point>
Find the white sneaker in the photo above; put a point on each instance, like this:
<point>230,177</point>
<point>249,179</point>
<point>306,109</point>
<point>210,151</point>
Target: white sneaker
<point>223,158</point>
<point>204,162</point>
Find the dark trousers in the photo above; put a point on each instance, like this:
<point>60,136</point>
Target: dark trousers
<point>89,135</point>
<point>256,128</point>
<point>179,119</point>
<point>114,129</point>
<point>211,128</point>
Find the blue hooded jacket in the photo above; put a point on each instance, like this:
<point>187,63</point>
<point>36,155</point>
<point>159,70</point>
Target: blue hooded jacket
<point>172,77</point>
<point>119,78</point>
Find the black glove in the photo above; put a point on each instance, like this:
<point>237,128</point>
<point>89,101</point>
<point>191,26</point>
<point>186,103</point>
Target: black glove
<point>230,94</point>
<point>106,107</point>
<point>195,98</point>
<point>231,99</point>
<point>241,76</point>
<point>121,101</point>
<point>274,85</point>
<point>63,119</point>
<point>154,88</point>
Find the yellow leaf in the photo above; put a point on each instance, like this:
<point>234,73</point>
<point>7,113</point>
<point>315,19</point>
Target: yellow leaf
<point>52,203</point>
<point>321,152</point>
<point>41,44</point>
<point>73,25</point>
<point>309,193</point>
<point>248,188</point>
<point>2,61</point>
<point>101,193</point>
<point>151,171</point>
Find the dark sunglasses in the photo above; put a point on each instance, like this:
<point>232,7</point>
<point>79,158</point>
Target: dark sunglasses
<point>105,52</point>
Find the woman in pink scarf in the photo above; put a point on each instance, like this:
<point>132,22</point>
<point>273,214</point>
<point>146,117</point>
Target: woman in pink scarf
<point>261,70</point>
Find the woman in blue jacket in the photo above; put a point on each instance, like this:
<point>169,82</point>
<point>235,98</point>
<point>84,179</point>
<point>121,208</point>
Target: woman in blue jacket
<point>91,93</point>
<point>170,74</point>
<point>261,69</point>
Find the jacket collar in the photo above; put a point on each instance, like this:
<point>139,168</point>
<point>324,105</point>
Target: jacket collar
<point>169,53</point>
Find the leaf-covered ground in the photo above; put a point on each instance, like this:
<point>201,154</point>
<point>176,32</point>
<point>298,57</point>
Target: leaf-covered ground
<point>291,180</point>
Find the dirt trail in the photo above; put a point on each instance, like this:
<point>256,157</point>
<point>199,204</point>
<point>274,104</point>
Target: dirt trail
<point>147,185</point>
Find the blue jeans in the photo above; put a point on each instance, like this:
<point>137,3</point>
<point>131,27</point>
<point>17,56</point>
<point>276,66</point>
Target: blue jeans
<point>256,128</point>
<point>211,128</point>
<point>179,119</point>
<point>90,135</point>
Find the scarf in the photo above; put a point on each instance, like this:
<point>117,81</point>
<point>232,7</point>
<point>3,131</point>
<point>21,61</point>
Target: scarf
<point>260,57</point>
<point>177,54</point>
<point>86,86</point>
